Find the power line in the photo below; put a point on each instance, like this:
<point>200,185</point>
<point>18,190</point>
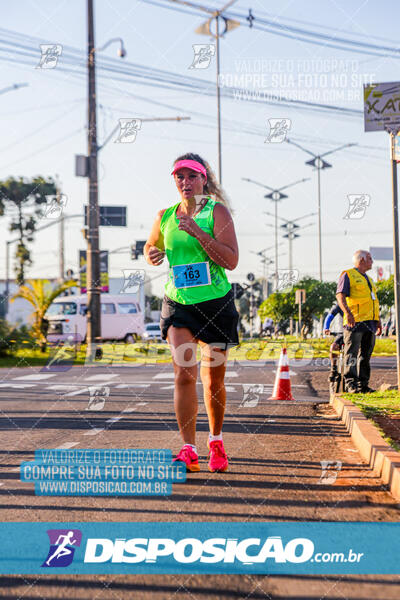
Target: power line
<point>43,149</point>
<point>132,72</point>
<point>312,37</point>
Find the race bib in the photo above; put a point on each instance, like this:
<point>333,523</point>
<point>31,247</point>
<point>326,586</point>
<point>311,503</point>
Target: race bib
<point>192,275</point>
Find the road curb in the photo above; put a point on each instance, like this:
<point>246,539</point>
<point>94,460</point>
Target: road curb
<point>381,457</point>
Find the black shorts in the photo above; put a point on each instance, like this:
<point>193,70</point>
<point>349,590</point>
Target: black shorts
<point>339,340</point>
<point>212,321</point>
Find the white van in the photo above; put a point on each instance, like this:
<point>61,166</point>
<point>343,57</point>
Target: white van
<point>121,318</point>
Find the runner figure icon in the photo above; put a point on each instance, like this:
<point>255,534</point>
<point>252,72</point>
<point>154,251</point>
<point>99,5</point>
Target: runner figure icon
<point>62,549</point>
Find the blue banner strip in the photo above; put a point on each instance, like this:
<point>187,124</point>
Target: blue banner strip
<point>204,548</point>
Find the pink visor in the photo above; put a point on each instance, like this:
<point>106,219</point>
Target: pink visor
<point>190,164</point>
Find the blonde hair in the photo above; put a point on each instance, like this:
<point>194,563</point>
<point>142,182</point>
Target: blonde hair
<point>212,187</point>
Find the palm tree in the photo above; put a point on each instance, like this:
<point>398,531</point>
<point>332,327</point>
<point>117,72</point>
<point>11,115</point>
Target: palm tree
<point>41,294</point>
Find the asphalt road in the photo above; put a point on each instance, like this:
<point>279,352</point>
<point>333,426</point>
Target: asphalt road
<point>275,451</point>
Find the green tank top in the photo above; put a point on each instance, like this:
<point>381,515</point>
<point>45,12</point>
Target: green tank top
<point>182,249</point>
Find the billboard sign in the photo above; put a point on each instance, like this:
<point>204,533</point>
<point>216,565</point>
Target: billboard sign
<point>381,106</point>
<point>110,216</point>
<point>381,252</point>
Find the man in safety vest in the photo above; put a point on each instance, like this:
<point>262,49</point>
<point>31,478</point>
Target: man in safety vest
<point>357,297</point>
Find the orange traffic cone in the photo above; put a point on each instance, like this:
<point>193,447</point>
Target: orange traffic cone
<point>282,388</point>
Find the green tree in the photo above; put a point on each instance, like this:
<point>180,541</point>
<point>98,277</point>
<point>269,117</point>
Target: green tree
<point>154,301</point>
<point>24,198</point>
<point>385,292</point>
<point>40,293</point>
<point>281,306</point>
<point>4,335</point>
<point>320,295</point>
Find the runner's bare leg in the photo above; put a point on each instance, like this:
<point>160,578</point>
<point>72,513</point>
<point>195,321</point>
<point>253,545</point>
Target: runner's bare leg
<point>185,395</point>
<point>212,374</point>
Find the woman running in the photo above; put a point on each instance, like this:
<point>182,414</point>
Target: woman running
<point>198,236</point>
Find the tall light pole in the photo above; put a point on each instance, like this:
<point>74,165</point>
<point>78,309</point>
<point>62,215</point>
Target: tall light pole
<point>276,196</point>
<point>205,29</point>
<point>318,163</point>
<point>266,262</point>
<point>292,234</point>
<point>93,334</point>
<point>292,228</point>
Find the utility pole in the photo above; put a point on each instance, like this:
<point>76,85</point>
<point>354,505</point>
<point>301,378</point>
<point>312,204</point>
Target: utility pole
<point>318,163</point>
<point>396,253</point>
<point>205,29</point>
<point>93,334</point>
<point>218,101</point>
<point>292,232</point>
<point>266,261</point>
<point>62,248</point>
<point>251,310</point>
<point>7,277</point>
<point>276,196</point>
<point>61,235</point>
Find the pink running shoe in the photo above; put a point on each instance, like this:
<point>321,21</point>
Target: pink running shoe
<point>188,456</point>
<point>218,458</point>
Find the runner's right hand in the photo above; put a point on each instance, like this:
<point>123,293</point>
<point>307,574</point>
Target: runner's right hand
<point>155,256</point>
<point>350,319</point>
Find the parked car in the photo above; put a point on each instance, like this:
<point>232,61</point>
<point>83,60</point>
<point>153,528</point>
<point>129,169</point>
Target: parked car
<point>121,318</point>
<point>152,332</point>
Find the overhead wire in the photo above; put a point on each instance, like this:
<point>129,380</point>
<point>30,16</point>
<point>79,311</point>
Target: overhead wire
<point>149,76</point>
<point>312,37</point>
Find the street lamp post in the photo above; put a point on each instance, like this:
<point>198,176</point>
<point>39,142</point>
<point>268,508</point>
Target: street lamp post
<point>205,29</point>
<point>318,163</point>
<point>276,196</point>
<point>93,334</point>
<point>266,261</point>
<point>291,228</point>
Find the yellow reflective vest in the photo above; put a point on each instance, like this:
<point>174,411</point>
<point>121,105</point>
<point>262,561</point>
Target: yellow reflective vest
<point>363,300</point>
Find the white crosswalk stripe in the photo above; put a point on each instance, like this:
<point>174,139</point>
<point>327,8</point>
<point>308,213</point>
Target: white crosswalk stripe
<point>77,392</point>
<point>94,431</point>
<point>35,376</point>
<point>67,445</point>
<point>104,377</point>
<point>17,386</point>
